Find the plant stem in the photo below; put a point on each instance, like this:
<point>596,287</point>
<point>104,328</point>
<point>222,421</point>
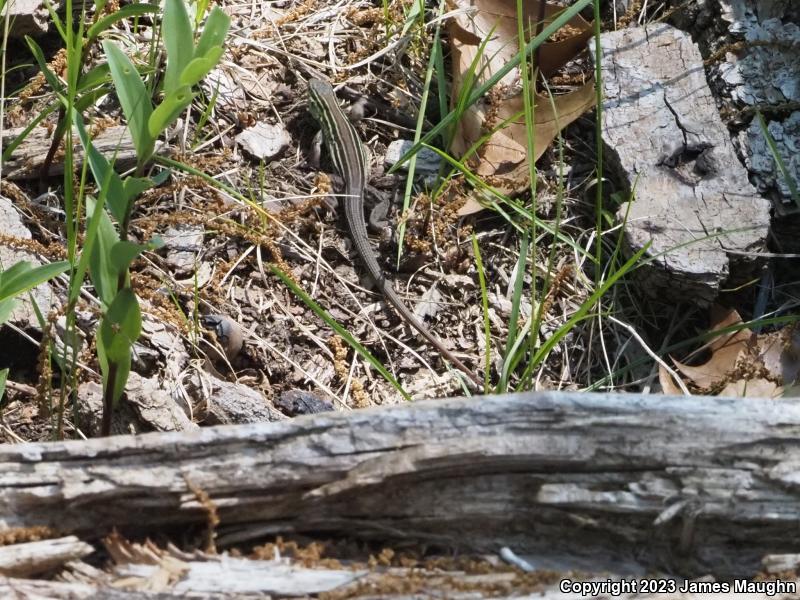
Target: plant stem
<point>108,399</point>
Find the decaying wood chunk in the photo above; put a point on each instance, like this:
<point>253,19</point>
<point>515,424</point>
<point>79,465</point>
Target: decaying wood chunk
<point>31,558</point>
<point>626,482</point>
<point>13,249</point>
<point>28,17</point>
<point>692,199</point>
<point>114,143</point>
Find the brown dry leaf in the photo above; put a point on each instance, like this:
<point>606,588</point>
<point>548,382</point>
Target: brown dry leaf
<point>725,350</point>
<point>504,155</point>
<point>746,364</point>
<point>668,385</point>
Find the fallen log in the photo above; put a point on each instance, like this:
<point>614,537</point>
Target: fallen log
<point>31,589</point>
<point>621,482</point>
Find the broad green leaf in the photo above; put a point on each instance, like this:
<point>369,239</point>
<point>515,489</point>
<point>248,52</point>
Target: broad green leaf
<point>7,307</point>
<point>115,344</point>
<point>161,176</point>
<point>94,77</point>
<point>104,277</point>
<point>123,371</point>
<point>22,277</point>
<point>10,274</point>
<point>52,79</point>
<point>119,328</point>
<point>113,348</point>
<point>199,67</point>
<point>176,28</point>
<point>129,10</point>
<point>169,109</point>
<point>134,99</point>
<point>104,174</point>
<point>90,98</point>
<point>125,315</point>
<point>134,186</point>
<point>123,253</point>
<point>201,7</point>
<point>214,32</point>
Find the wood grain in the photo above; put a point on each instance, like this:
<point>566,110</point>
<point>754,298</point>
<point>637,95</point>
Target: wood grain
<point>691,485</point>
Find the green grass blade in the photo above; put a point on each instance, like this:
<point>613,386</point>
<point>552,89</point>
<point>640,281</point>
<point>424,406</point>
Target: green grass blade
<point>512,344</point>
<point>487,328</point>
<point>503,200</point>
<point>124,12</point>
<point>23,277</point>
<point>412,165</point>
<point>544,350</point>
<point>52,79</point>
<point>773,148</point>
<point>598,86</point>
<point>452,116</point>
<point>346,335</point>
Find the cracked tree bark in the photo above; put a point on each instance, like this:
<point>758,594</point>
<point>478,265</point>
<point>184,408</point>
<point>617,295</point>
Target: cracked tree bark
<point>692,200</point>
<point>622,482</point>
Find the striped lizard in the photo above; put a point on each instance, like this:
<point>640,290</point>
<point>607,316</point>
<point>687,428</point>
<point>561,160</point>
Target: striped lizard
<point>349,158</point>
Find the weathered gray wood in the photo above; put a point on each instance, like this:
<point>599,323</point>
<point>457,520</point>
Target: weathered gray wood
<point>11,224</point>
<point>456,586</point>
<point>26,161</point>
<point>27,17</point>
<point>700,485</point>
<point>36,589</point>
<point>32,558</point>
<point>232,575</point>
<point>693,201</point>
